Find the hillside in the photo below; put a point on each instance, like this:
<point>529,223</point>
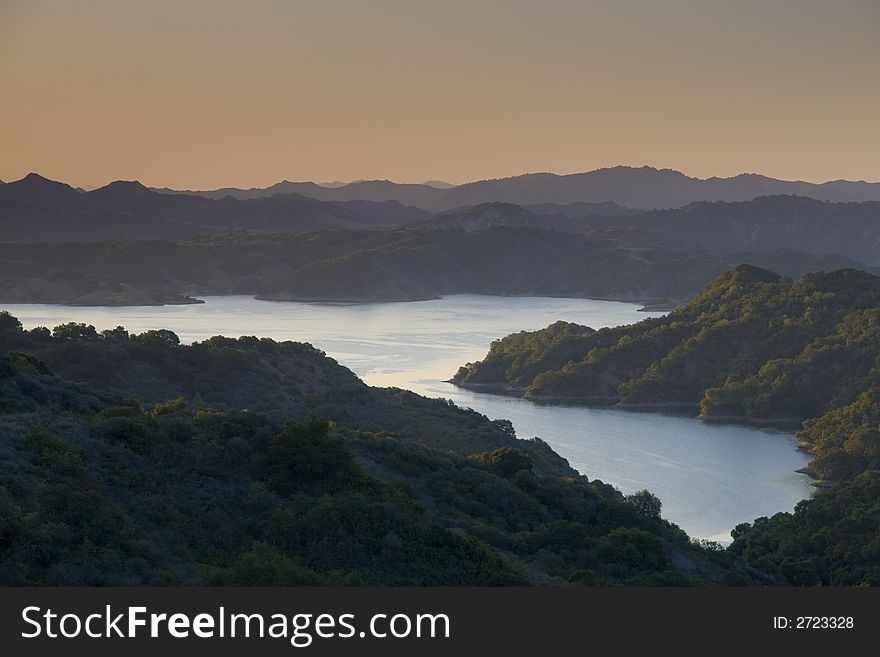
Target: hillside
<point>133,460</point>
<point>353,265</point>
<point>753,344</point>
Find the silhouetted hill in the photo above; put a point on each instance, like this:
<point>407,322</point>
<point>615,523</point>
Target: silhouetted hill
<point>643,188</point>
<point>131,197</point>
<point>37,209</point>
<point>362,190</point>
<point>34,187</point>
<point>846,233</point>
<point>766,224</point>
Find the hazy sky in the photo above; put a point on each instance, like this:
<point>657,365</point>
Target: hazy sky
<point>206,94</point>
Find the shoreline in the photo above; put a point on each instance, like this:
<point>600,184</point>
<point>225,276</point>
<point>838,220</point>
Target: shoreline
<point>612,403</point>
<point>190,301</point>
<point>616,403</point>
<point>648,304</point>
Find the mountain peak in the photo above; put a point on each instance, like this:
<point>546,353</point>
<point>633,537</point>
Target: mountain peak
<point>127,185</point>
<point>746,274</point>
<point>34,178</point>
<point>438,184</point>
<point>35,187</point>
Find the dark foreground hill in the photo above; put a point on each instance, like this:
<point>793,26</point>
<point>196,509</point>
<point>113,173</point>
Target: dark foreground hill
<point>136,460</point>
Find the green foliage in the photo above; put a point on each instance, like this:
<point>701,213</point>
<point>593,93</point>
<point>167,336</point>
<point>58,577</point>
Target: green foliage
<point>53,455</point>
<point>646,503</point>
<point>118,334</point>
<point>8,322</point>
<point>306,457</point>
<point>40,333</point>
<point>846,440</point>
<point>177,407</point>
<point>830,540</point>
<point>152,338</point>
<point>507,461</point>
<point>75,331</point>
<point>753,344</point>
<point>633,548</point>
<point>30,361</point>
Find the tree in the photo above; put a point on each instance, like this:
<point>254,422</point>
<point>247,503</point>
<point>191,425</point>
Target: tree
<point>118,334</point>
<point>172,408</point>
<point>646,503</point>
<point>507,461</point>
<point>159,338</point>
<point>9,322</point>
<point>75,331</point>
<point>306,457</point>
<point>40,333</point>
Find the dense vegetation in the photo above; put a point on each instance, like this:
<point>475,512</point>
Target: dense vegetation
<point>133,459</point>
<point>754,345</point>
<point>830,540</point>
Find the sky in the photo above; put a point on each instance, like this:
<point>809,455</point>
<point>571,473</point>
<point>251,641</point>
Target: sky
<point>204,94</point>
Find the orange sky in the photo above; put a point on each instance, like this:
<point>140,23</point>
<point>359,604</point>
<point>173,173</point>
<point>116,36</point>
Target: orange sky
<point>199,94</point>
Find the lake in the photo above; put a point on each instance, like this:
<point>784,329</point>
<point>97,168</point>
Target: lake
<point>710,477</point>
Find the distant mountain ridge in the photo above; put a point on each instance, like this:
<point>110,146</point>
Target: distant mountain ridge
<point>764,224</point>
<point>642,188</point>
<point>36,209</point>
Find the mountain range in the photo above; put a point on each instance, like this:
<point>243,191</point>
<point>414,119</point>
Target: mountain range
<point>642,188</point>
<point>36,209</point>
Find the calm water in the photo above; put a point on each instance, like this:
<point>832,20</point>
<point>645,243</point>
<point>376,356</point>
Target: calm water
<point>709,476</point>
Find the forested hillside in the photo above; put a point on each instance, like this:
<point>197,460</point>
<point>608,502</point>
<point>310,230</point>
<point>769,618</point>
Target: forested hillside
<point>754,344</point>
<point>132,459</point>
